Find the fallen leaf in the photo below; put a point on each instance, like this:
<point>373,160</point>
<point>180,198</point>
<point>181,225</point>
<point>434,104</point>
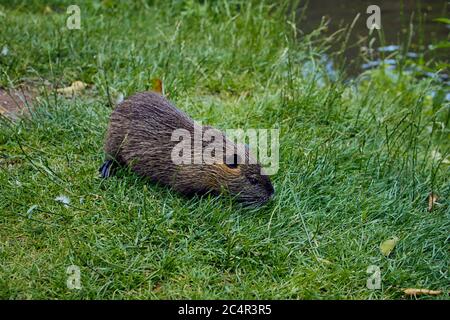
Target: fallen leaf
<point>157,86</point>
<point>415,292</point>
<point>387,246</point>
<point>5,51</point>
<point>157,287</point>
<point>75,87</point>
<point>63,199</point>
<point>325,261</point>
<point>96,196</point>
<point>432,201</point>
<point>47,10</point>
<point>119,98</point>
<point>30,210</point>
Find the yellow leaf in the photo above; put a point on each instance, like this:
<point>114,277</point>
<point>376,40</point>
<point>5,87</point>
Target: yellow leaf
<point>75,87</point>
<point>325,261</point>
<point>432,201</point>
<point>157,86</point>
<point>47,10</point>
<point>415,292</point>
<point>387,246</point>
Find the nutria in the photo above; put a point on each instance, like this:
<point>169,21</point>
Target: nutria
<point>140,136</point>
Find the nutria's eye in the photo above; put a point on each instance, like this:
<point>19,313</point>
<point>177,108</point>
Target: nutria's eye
<point>232,165</point>
<point>233,161</point>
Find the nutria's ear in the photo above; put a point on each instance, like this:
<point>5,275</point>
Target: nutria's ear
<point>233,161</point>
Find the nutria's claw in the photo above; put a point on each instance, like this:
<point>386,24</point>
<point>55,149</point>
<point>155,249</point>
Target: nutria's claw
<point>105,169</point>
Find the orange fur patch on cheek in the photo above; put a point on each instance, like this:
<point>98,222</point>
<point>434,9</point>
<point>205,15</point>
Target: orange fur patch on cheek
<point>234,172</point>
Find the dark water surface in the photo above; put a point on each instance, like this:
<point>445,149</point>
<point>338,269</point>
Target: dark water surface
<point>396,17</point>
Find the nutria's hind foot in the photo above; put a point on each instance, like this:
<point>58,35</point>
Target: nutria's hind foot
<point>106,169</point>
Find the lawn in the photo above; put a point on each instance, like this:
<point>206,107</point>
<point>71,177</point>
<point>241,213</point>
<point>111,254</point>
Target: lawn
<point>358,160</point>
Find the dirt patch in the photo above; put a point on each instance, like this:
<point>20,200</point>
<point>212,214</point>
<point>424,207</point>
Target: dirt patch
<point>15,102</point>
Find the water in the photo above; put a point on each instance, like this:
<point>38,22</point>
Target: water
<point>395,20</point>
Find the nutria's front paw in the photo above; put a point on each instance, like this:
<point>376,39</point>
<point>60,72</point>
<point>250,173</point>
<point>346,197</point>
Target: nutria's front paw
<point>105,169</point>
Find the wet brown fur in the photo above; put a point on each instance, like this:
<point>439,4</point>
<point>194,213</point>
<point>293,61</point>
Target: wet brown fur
<point>139,135</point>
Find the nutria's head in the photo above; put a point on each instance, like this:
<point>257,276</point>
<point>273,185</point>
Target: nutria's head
<point>243,179</point>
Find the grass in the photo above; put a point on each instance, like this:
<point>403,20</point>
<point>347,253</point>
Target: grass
<point>357,161</point>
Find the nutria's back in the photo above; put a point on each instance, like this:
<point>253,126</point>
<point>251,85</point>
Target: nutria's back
<point>140,136</point>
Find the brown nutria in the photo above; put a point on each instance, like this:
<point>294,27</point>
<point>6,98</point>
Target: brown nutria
<point>140,135</point>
